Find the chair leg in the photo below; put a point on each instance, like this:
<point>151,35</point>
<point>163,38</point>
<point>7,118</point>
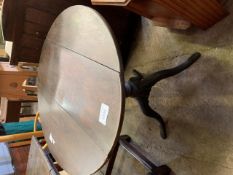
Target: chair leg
<point>126,143</point>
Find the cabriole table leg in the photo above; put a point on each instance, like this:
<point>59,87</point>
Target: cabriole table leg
<point>139,87</point>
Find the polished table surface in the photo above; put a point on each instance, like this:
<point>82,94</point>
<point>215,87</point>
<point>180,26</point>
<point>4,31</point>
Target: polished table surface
<point>80,91</point>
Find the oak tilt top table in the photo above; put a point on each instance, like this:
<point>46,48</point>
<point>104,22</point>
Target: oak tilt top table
<point>80,90</point>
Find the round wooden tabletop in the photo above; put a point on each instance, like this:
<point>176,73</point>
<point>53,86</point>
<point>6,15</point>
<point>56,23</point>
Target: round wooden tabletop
<point>80,90</point>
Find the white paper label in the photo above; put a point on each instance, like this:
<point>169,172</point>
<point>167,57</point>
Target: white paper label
<point>51,138</point>
<point>104,109</point>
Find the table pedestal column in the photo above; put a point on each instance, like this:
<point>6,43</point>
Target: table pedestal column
<point>139,87</point>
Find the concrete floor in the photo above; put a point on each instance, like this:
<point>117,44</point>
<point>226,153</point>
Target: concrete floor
<point>197,104</point>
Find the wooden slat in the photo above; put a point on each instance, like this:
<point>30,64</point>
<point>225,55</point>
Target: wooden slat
<point>23,136</point>
<point>19,144</point>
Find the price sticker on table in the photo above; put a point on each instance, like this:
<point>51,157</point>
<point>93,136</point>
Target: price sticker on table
<point>104,110</point>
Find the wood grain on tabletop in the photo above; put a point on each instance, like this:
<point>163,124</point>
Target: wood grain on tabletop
<point>80,72</point>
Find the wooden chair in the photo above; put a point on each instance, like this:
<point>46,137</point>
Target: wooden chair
<point>16,138</point>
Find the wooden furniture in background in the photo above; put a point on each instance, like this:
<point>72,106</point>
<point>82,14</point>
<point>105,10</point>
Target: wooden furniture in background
<point>175,13</point>
<point>12,79</point>
<point>12,110</point>
<point>9,110</point>
<point>17,90</point>
<point>27,22</point>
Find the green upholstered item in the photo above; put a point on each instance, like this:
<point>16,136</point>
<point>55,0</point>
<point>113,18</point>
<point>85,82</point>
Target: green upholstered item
<point>20,127</point>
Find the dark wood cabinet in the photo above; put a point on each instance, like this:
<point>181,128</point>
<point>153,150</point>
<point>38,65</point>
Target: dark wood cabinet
<point>27,22</point>
<point>174,13</point>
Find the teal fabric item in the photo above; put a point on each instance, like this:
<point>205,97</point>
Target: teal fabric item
<point>20,127</point>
